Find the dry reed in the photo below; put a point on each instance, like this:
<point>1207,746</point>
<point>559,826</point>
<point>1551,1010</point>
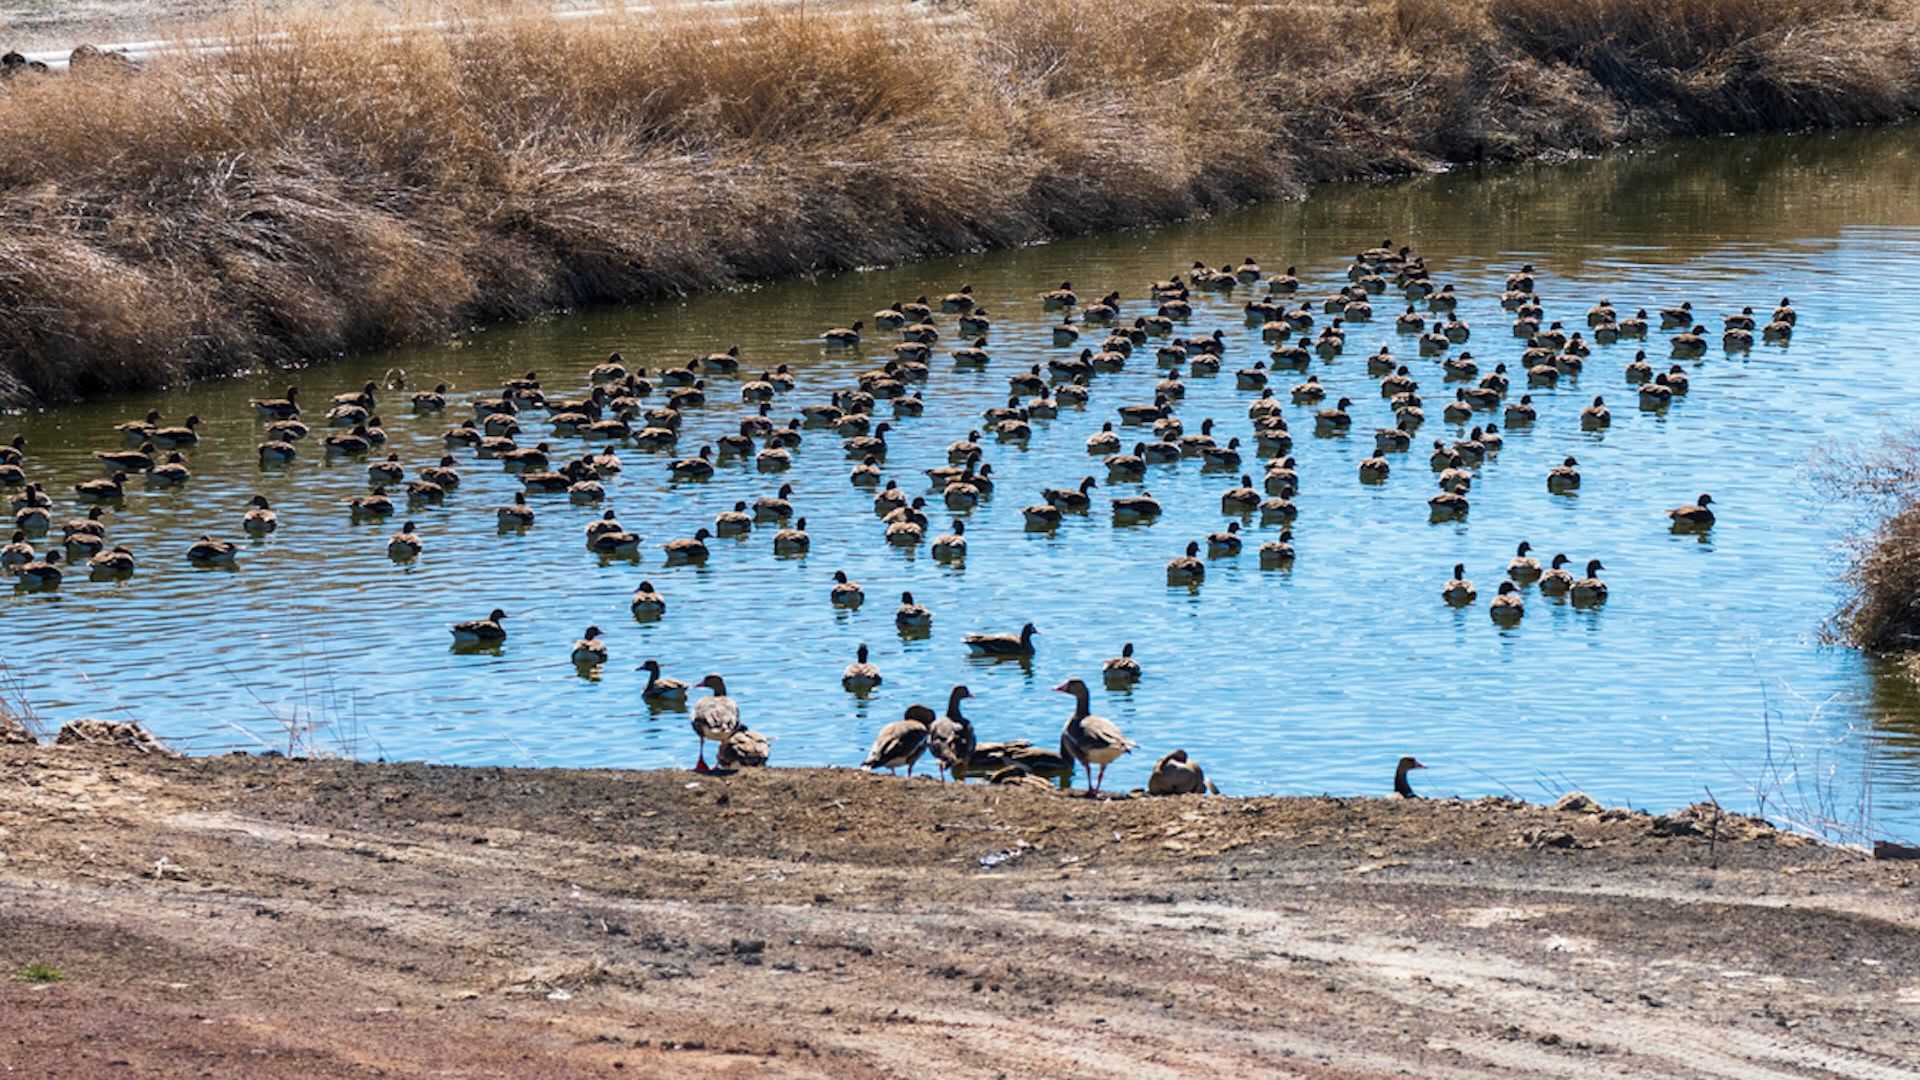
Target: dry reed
<point>340,186</point>
<point>1879,483</point>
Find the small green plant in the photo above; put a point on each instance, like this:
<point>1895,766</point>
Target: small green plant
<point>39,973</point>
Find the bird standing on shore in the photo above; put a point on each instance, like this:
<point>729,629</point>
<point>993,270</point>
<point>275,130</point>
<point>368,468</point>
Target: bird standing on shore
<point>715,717</point>
<point>951,737</point>
<point>1088,739</point>
<point>901,742</point>
<point>1014,645</point>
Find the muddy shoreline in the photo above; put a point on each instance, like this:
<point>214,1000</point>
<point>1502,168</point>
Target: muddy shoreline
<point>272,917</point>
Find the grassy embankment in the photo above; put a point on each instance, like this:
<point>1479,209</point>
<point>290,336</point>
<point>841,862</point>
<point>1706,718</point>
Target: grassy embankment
<point>343,188</point>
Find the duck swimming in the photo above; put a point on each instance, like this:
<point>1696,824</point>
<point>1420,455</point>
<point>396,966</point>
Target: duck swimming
<point>1004,645</point>
<point>861,676</point>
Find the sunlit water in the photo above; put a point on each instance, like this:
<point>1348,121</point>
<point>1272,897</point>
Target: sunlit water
<point>1704,672</point>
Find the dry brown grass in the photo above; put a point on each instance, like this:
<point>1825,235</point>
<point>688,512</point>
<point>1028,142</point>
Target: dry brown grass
<point>1879,484</point>
<point>341,187</point>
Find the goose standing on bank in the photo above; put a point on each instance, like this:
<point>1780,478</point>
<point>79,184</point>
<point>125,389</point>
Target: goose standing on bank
<point>901,742</point>
<point>1400,785</point>
<point>715,717</point>
<point>1088,739</point>
<point>951,738</point>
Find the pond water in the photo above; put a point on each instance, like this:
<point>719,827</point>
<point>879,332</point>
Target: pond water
<point>1704,671</point>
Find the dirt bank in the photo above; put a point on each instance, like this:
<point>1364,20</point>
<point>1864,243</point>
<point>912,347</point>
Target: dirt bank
<point>331,185</point>
<point>263,917</point>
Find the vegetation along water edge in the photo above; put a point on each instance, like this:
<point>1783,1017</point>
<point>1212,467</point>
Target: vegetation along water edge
<point>335,186</point>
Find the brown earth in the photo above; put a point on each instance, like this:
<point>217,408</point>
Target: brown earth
<point>268,917</point>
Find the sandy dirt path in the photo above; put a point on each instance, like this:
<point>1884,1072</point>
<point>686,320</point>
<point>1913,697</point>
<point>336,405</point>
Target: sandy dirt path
<point>262,917</point>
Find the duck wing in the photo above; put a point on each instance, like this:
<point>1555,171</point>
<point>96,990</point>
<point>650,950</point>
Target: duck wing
<point>899,743</point>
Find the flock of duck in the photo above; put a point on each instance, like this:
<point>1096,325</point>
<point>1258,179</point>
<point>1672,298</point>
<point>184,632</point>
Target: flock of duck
<point>627,407</point>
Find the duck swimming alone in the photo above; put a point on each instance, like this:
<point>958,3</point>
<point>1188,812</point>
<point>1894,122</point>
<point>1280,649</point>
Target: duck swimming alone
<point>911,616</point>
<point>1564,476</point>
<point>647,604</point>
<point>1695,518</point>
<point>1122,670</point>
<point>1088,739</point>
<point>1013,645</point>
<point>951,547</point>
<point>209,550</point>
<point>590,651</point>
<point>1459,592</point>
<point>861,676</point>
<point>659,689</point>
<point>487,629</point>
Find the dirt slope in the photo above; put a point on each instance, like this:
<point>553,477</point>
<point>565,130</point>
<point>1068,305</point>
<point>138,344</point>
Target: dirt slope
<point>262,917</point>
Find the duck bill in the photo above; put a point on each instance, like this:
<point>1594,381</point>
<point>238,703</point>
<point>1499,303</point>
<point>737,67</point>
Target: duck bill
<point>1062,688</point>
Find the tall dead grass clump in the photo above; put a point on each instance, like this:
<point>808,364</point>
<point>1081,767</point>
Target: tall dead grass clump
<point>1879,485</point>
<point>333,183</point>
<point>1696,66</point>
